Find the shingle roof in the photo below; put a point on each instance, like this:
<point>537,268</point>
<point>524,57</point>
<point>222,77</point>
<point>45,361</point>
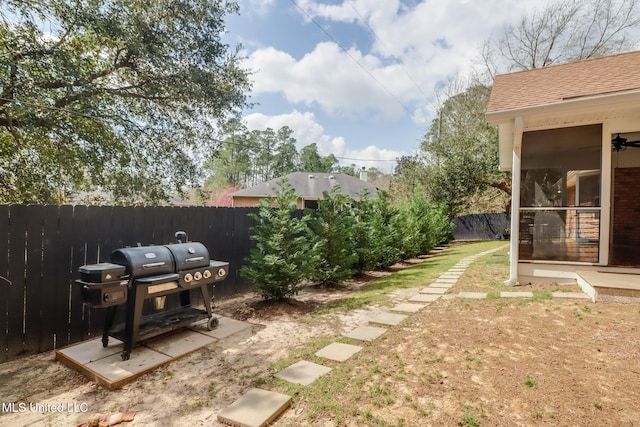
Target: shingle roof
<point>554,84</point>
<point>311,185</point>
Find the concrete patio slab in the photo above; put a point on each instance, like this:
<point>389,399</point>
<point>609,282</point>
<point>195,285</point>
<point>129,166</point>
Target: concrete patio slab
<point>180,343</point>
<point>114,372</point>
<point>366,333</point>
<point>338,351</point>
<point>526,294</point>
<point>106,366</point>
<point>434,290</point>
<point>575,295</point>
<point>257,408</point>
<point>424,298</point>
<point>226,327</point>
<point>302,372</point>
<point>473,295</point>
<point>408,308</point>
<point>90,351</point>
<point>390,319</point>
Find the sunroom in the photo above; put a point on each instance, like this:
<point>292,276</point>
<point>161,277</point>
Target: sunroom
<point>570,135</point>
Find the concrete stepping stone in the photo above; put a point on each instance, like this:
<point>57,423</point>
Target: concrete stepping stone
<point>390,319</point>
<point>366,333</point>
<point>446,280</point>
<point>526,294</point>
<point>576,295</point>
<point>434,290</point>
<point>302,372</point>
<point>424,298</point>
<point>473,295</point>
<point>257,408</point>
<point>450,276</point>
<point>408,308</point>
<point>440,284</point>
<point>338,351</point>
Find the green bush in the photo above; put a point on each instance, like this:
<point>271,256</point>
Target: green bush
<point>283,256</point>
<point>345,236</point>
<point>332,230</point>
<point>375,233</point>
<point>423,226</point>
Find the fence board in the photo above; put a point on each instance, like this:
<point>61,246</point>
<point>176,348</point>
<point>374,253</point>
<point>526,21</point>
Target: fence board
<point>33,283</point>
<point>50,246</point>
<point>62,281</point>
<point>17,243</point>
<point>5,284</point>
<point>77,327</point>
<point>97,216</point>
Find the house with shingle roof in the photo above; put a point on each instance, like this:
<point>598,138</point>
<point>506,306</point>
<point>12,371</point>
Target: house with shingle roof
<point>570,135</point>
<point>309,187</point>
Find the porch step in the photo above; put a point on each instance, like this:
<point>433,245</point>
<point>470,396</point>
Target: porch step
<point>601,286</point>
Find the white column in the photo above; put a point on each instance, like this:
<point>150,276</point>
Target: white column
<point>514,250</point>
<point>606,174</point>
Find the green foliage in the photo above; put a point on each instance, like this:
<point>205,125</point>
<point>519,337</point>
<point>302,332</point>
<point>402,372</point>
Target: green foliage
<point>462,152</point>
<point>344,237</point>
<point>111,96</point>
<point>332,231</point>
<point>376,236</point>
<point>283,256</point>
<point>422,226</point>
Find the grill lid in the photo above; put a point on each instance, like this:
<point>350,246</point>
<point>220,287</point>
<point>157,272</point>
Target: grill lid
<point>189,255</point>
<point>144,261</point>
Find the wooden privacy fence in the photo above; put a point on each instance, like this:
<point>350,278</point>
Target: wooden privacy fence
<point>40,307</point>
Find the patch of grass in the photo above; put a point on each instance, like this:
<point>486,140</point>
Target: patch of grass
<point>213,389</point>
<point>597,405</point>
<point>468,420</point>
<point>541,295</point>
<point>530,382</point>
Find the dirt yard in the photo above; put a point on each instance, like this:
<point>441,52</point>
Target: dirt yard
<point>492,362</point>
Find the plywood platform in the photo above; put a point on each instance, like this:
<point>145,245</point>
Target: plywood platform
<point>106,366</point>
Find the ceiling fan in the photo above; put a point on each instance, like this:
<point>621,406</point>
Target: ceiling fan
<point>619,143</point>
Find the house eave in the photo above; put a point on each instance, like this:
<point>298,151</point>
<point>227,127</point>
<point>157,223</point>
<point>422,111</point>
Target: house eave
<point>621,101</point>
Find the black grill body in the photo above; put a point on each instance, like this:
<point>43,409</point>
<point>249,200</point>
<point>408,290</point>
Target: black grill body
<point>139,273</point>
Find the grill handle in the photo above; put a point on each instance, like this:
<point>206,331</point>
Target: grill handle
<point>153,265</point>
<point>194,259</point>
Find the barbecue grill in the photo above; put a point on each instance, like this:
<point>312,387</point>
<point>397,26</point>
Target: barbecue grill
<point>136,274</point>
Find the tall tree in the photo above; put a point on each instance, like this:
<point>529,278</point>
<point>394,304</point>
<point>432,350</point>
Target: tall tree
<point>286,156</point>
<point>312,161</point>
<point>563,31</point>
<point>462,151</point>
<point>112,95</point>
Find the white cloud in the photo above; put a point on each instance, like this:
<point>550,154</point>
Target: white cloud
<point>306,130</point>
<point>414,50</point>
<point>328,77</point>
<point>258,7</point>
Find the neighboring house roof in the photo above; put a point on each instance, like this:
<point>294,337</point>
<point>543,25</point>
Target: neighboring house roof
<point>565,83</point>
<point>311,185</point>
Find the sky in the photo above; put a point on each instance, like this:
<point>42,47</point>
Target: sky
<point>360,78</point>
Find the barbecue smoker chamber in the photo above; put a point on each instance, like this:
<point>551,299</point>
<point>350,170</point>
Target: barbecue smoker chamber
<point>143,272</point>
